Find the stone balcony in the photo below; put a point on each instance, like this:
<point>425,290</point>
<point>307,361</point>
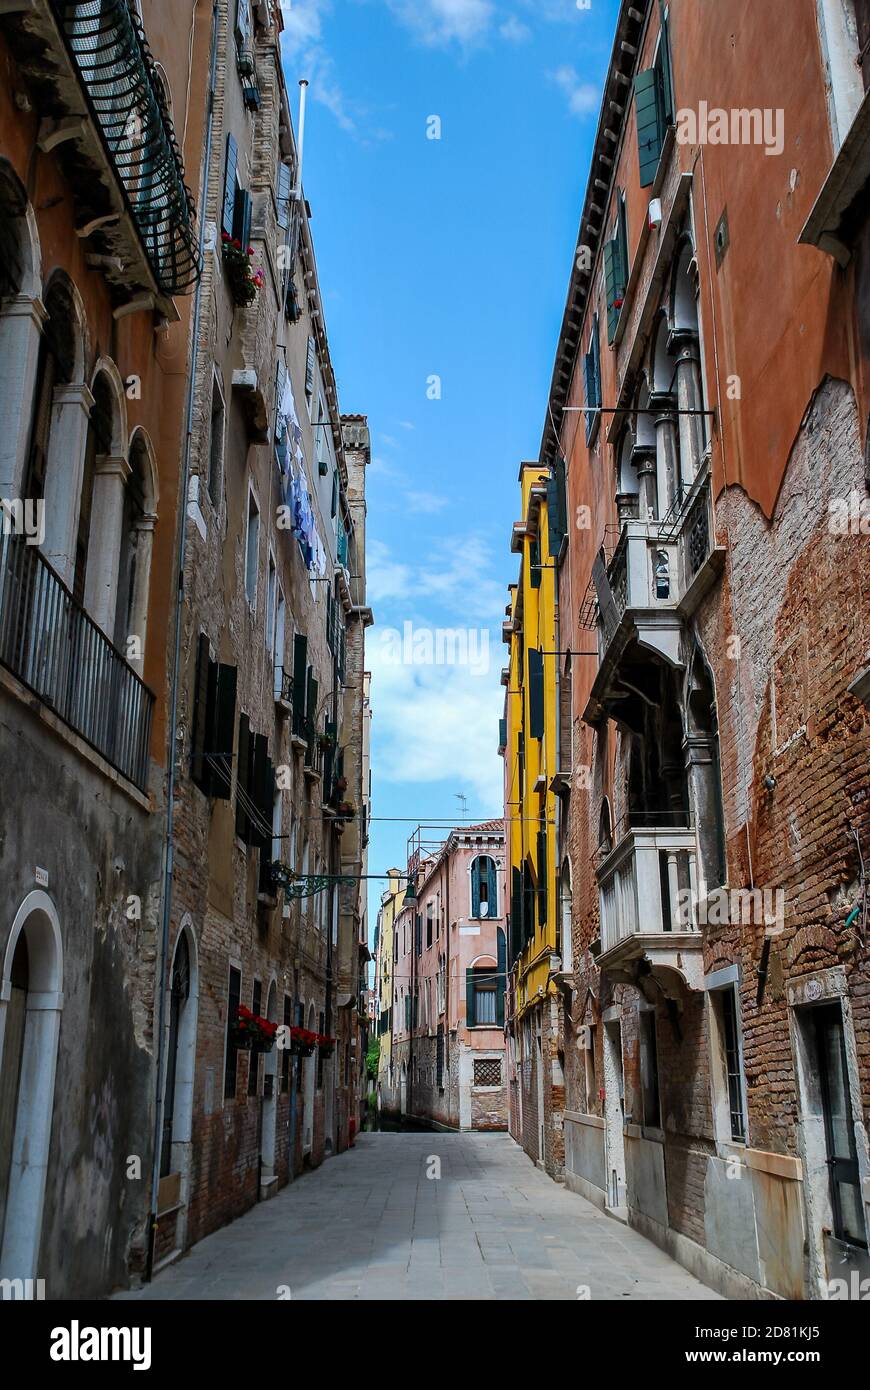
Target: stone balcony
<point>648,886</point>
<point>656,577</point>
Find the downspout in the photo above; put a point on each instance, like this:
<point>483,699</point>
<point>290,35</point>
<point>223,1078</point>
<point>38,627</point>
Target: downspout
<point>168,858</point>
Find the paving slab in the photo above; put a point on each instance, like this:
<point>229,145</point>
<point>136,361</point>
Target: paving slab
<point>370,1224</point>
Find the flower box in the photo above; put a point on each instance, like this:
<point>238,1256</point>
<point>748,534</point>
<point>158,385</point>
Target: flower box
<point>280,875</point>
<point>251,1033</point>
<point>244,281</point>
<point>302,1042</point>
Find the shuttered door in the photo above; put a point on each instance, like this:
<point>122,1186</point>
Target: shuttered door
<point>300,668</point>
<point>198,766</point>
<point>501,981</point>
<point>223,726</point>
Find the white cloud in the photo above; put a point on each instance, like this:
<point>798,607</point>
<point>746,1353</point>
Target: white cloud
<point>584,98</point>
<point>386,578</point>
<point>407,425</point>
<point>514,31</point>
<point>306,54</point>
<point>440,22</point>
<point>437,722</point>
<point>426,503</point>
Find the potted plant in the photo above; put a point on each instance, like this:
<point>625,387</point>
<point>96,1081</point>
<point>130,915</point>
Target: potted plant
<point>253,1033</point>
<point>302,1042</point>
<point>326,1045</point>
<point>244,281</point>
<point>345,810</point>
<point>325,741</point>
<point>341,784</point>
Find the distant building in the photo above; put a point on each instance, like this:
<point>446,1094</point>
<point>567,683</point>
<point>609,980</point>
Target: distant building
<point>446,1058</point>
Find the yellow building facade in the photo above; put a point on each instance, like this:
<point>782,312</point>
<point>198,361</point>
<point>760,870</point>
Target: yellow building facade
<point>392,901</point>
<point>529,740</point>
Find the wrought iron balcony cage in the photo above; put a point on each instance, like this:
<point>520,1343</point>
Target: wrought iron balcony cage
<point>119,79</point>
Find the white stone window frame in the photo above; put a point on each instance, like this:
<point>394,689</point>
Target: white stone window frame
<point>251,598</point>
<point>719,982</point>
<point>487,1057</point>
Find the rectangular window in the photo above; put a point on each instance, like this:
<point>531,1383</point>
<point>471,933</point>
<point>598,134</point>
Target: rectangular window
<point>231,179</point>
<point>487,1072</point>
<point>557,509</point>
<point>216,444</point>
<point>430,922</point>
<point>271,584</point>
<point>252,550</point>
<point>285,1055</point>
<point>589,1070</point>
<point>214,719</point>
<point>282,195</point>
<point>310,362</point>
<point>481,1005</point>
<point>243,22</point>
<point>649,1070</point>
<point>727,1001</point>
<point>592,382</point>
<point>536,693</point>
<point>534,563</point>
<point>234,998</point>
<point>254,1057</point>
<point>616,269</point>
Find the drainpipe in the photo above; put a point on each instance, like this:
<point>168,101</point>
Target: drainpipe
<point>168,860</point>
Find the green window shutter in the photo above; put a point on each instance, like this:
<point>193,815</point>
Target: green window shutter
<point>516,913</point>
<point>242,216</point>
<point>595,347</point>
<point>230,173</point>
<point>534,563</point>
<point>556,508</point>
<point>224,726</point>
<point>242,779</point>
<point>613,290</point>
<point>282,195</point>
<point>501,980</point>
<point>469,999</point>
<point>650,123</point>
<point>199,737</point>
<point>300,668</point>
<point>528,903</point>
<point>589,392</point>
<point>536,693</point>
<point>475,888</point>
<point>333,506</point>
<point>622,243</point>
<point>502,733</point>
<point>664,63</point>
<point>542,877</point>
<point>492,886</point>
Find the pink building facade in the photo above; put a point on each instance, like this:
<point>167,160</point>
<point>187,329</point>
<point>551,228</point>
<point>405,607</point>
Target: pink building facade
<point>447,1064</point>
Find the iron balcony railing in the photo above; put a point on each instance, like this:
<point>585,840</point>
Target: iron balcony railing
<point>119,80</point>
<point>48,641</point>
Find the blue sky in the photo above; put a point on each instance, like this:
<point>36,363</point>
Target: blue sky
<point>446,258</point>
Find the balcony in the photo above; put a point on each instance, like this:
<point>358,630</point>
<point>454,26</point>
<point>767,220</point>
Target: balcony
<point>96,87</point>
<point>654,580</point>
<point>648,888</point>
<point>51,645</point>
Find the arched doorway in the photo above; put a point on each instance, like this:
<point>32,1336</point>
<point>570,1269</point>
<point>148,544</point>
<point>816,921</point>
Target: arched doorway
<point>180,1057</point>
<point>309,1084</point>
<point>31,999</point>
<point>270,1103</point>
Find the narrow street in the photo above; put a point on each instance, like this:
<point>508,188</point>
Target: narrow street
<point>370,1224</point>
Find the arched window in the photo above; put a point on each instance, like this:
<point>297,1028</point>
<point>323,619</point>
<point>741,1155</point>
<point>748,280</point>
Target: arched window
<point>22,316</point>
<point>484,887</point>
<point>565,950</point>
<point>55,367</point>
<point>605,829</point>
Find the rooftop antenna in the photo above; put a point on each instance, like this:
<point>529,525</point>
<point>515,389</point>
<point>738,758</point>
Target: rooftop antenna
<point>463,803</point>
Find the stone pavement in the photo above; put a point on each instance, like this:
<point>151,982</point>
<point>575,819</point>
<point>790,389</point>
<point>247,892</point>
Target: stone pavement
<point>370,1224</point>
